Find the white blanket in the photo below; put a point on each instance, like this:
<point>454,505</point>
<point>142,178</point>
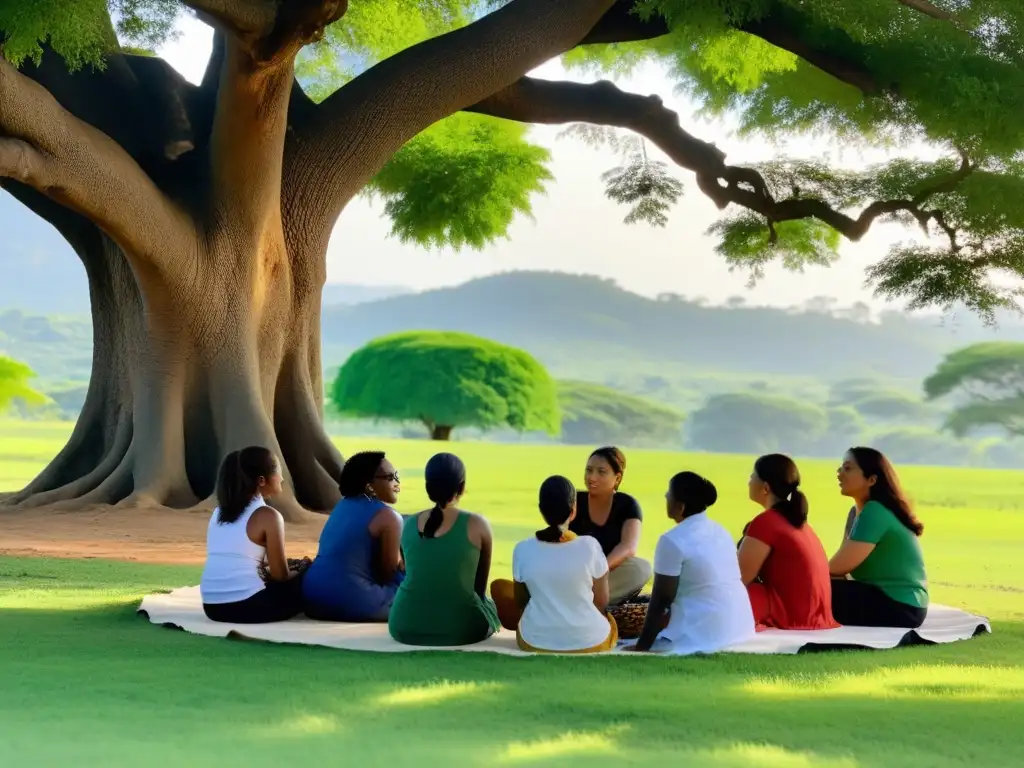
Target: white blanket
<point>183,609</point>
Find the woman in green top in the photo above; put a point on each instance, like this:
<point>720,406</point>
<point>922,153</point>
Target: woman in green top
<point>878,576</point>
<point>443,599</point>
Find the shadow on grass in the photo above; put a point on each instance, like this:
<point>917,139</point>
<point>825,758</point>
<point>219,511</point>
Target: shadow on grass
<point>97,685</point>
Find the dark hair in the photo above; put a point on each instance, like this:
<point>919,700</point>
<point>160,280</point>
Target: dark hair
<point>696,492</point>
<point>557,497</point>
<point>445,476</point>
<point>886,490</point>
<point>358,472</point>
<point>238,480</point>
<point>616,460</point>
<point>780,474</point>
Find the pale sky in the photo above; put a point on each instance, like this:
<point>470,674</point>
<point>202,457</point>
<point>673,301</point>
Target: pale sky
<point>576,229</point>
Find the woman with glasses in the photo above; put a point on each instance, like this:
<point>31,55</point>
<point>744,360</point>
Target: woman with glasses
<point>358,566</point>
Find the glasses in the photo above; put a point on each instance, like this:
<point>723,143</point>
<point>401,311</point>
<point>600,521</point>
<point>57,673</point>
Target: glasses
<point>391,477</point>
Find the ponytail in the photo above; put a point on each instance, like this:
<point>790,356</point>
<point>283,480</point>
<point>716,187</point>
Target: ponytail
<point>445,476</point>
<point>238,480</point>
<point>780,474</point>
<point>557,502</point>
<point>795,508</point>
<point>434,521</point>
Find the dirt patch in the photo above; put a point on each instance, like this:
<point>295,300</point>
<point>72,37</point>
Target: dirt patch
<point>140,534</point>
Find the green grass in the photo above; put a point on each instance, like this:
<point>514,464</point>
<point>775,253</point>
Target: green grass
<point>86,682</point>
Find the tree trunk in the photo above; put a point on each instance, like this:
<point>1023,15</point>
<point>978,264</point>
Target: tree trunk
<point>441,432</point>
<point>204,370</point>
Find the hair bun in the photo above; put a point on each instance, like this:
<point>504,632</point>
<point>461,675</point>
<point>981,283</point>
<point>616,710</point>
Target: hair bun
<point>710,493</point>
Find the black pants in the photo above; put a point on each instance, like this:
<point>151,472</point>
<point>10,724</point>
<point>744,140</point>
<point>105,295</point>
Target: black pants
<point>280,600</point>
<point>857,604</point>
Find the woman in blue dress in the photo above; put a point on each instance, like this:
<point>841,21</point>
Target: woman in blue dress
<point>358,564</point>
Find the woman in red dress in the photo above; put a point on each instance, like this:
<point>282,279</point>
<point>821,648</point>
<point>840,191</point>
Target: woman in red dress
<point>782,560</point>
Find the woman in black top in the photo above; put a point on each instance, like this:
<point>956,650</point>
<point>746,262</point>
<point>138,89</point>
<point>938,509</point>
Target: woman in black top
<point>614,519</point>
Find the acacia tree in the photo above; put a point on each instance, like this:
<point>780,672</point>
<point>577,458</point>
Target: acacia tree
<point>986,382</point>
<point>202,212</point>
<point>14,384</point>
<point>447,380</point>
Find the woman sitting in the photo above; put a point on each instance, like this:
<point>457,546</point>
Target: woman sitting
<point>442,600</point>
<point>614,519</point>
<point>243,533</point>
<point>561,581</point>
<point>782,560</point>
<point>879,575</point>
<point>358,564</point>
<point>696,579</point>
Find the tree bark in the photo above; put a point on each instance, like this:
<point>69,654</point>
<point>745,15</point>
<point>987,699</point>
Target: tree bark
<point>441,432</point>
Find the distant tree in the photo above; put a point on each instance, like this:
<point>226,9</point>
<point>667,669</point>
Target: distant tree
<point>756,423</point>
<point>988,382</point>
<point>918,445</point>
<point>736,302</point>
<point>447,380</point>
<point>846,427</point>
<point>594,414</point>
<point>891,405</point>
<point>14,384</point>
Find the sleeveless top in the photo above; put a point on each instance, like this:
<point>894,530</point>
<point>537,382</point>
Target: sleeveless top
<point>342,580</point>
<point>437,604</point>
<point>232,566</point>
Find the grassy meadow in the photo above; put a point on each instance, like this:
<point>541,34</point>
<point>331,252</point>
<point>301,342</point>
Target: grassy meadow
<point>86,682</point>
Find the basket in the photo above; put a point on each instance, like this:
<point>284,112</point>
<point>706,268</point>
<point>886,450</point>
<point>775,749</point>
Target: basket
<point>294,564</point>
<point>631,615</point>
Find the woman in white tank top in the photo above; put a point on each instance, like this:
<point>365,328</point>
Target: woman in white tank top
<point>243,532</point>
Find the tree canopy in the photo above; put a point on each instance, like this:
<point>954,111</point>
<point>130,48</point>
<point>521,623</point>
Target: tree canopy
<point>756,423</point>
<point>447,380</point>
<point>986,381</point>
<point>592,414</point>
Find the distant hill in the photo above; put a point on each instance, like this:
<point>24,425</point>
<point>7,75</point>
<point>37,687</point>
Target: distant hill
<point>581,326</point>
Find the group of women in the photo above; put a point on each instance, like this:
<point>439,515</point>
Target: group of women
<point>428,575</point>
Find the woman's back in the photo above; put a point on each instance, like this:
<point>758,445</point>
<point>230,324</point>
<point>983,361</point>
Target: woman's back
<point>795,574</point>
<point>231,573</point>
<point>561,614</point>
<point>711,609</point>
<point>342,579</point>
<point>437,603</point>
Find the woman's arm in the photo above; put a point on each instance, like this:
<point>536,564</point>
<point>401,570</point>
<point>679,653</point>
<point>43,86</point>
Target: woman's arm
<point>850,555</point>
<point>629,541</point>
<point>386,527</point>
<point>482,538</point>
<point>601,593</point>
<point>268,525</point>
<point>662,595</point>
<point>752,555</point>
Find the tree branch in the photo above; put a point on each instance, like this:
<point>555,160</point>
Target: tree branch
<point>45,147</point>
<point>250,19</point>
<point>928,9</point>
<point>271,31</point>
<point>621,25</point>
<point>364,123</point>
<point>530,100</point>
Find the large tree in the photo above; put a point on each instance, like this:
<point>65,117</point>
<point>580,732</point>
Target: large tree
<point>202,213</point>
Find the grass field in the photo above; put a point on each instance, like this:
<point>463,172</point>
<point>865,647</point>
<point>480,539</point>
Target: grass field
<point>83,681</point>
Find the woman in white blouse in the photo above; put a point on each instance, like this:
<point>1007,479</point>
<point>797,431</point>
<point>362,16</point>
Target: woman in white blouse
<point>697,579</point>
<point>558,598</point>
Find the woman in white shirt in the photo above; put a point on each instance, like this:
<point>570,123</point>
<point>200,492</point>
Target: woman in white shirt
<point>697,579</point>
<point>558,598</point>
<point>243,532</point>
